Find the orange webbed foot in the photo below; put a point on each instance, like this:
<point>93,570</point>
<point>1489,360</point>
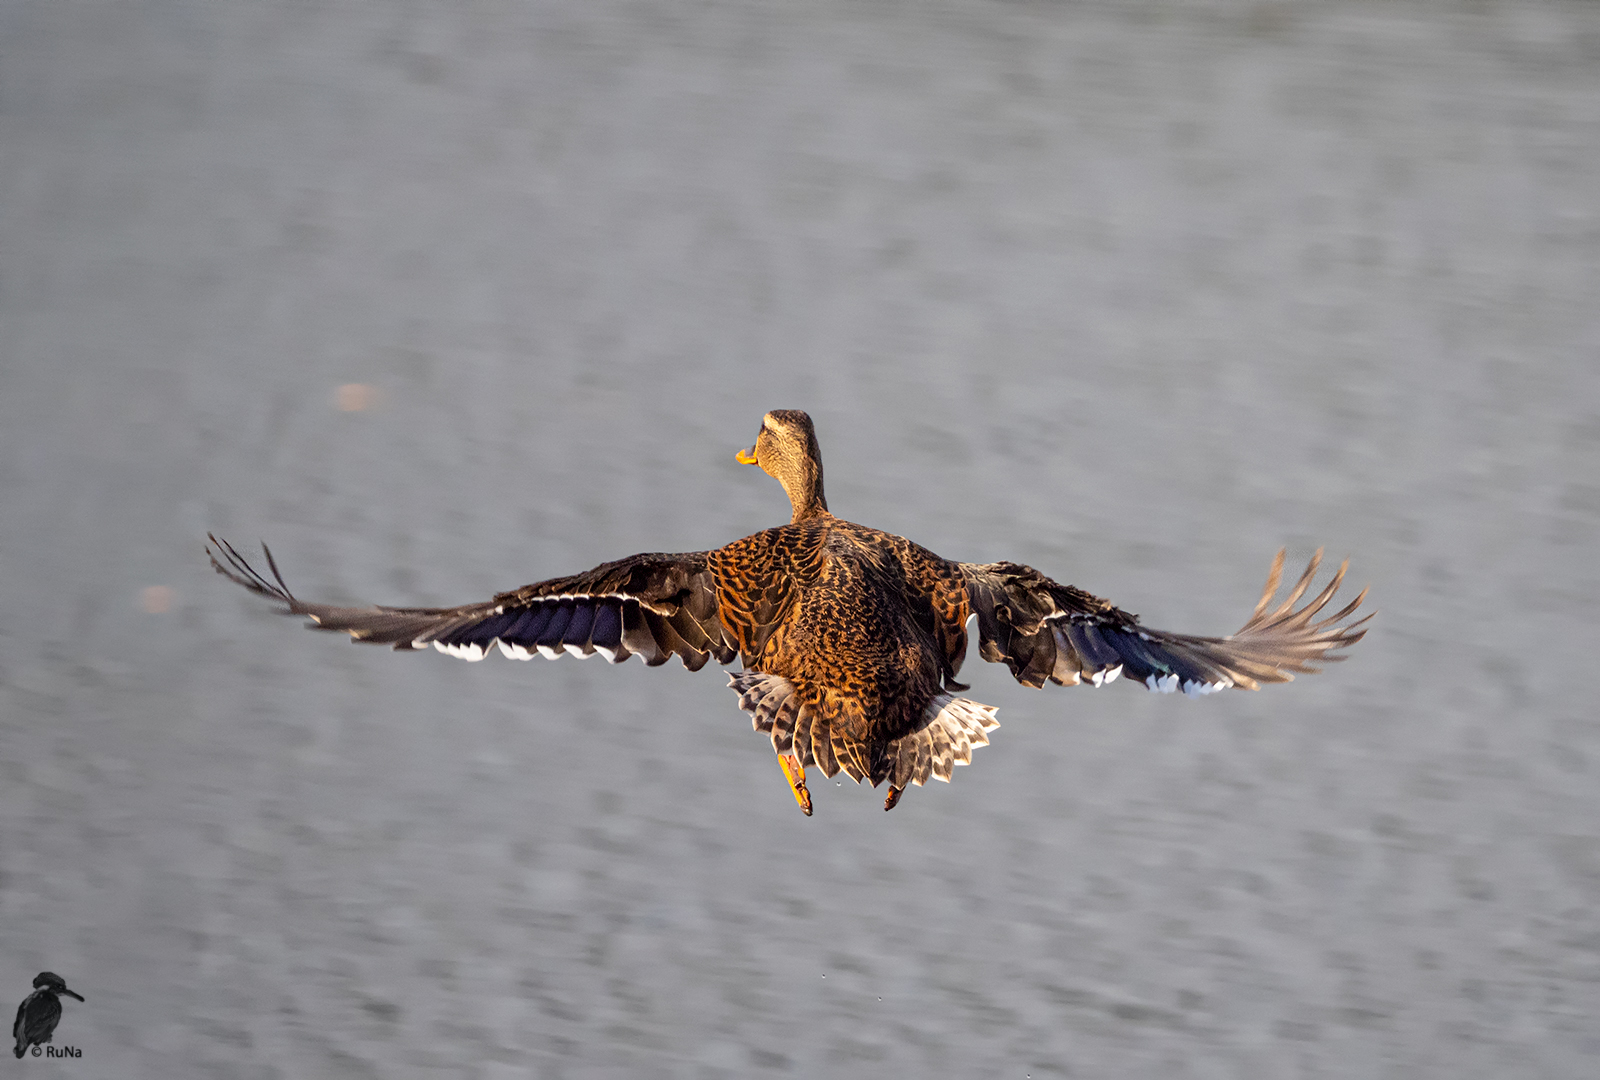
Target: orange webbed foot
<point>795,773</point>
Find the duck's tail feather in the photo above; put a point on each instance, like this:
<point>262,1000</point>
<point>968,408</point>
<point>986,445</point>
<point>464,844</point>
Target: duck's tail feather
<point>956,726</point>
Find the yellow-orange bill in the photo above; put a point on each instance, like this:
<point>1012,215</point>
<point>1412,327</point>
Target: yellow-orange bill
<point>746,457</point>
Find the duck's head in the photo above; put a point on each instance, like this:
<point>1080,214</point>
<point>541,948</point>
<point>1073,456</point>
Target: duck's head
<point>49,980</point>
<point>787,451</point>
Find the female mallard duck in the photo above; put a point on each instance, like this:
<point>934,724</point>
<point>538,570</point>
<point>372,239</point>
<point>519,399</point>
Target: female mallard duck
<point>850,638</point>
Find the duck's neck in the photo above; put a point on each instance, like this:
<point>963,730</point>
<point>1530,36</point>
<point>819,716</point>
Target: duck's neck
<point>804,488</point>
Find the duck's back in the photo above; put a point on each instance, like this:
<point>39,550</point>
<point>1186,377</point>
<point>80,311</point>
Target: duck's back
<point>835,608</point>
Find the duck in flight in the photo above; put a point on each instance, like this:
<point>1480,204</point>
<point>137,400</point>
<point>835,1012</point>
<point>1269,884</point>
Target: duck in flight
<point>850,639</point>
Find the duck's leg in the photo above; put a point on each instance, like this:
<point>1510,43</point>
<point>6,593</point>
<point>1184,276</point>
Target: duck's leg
<point>894,797</point>
<point>795,773</point>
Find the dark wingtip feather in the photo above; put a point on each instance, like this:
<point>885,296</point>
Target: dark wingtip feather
<point>1277,642</point>
<point>272,564</point>
<point>240,572</point>
<point>1274,579</point>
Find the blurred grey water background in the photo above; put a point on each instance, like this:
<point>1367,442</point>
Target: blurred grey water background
<point>1135,293</point>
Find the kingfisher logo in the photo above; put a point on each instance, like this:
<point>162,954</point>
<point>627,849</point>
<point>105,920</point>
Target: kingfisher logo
<point>38,1016</point>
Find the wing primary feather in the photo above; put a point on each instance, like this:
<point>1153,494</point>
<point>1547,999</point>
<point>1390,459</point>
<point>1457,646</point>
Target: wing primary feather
<point>272,564</point>
<point>1274,578</point>
<point>1299,586</point>
<point>242,573</point>
<point>1344,613</point>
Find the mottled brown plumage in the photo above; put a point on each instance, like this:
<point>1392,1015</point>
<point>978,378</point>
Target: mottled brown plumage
<point>850,638</point>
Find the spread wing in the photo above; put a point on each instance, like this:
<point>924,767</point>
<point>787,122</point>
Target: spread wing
<point>1042,630</point>
<point>655,605</point>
